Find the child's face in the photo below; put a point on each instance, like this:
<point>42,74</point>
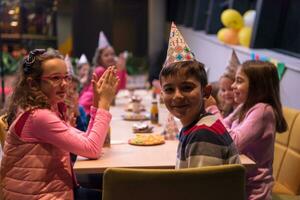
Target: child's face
<point>240,87</point>
<point>226,92</point>
<point>55,80</point>
<point>84,70</point>
<point>107,57</point>
<point>183,97</point>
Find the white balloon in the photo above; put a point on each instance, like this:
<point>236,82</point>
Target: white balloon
<point>249,18</point>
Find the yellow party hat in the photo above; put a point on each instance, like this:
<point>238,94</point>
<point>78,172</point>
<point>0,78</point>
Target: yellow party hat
<point>178,50</point>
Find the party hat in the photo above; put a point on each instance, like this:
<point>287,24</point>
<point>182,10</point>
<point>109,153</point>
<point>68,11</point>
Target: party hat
<point>69,65</point>
<point>170,130</point>
<point>82,60</point>
<point>232,66</point>
<point>178,50</point>
<point>102,42</point>
<point>234,61</point>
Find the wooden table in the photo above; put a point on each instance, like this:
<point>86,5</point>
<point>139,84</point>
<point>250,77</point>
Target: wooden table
<point>122,154</point>
<point>125,155</point>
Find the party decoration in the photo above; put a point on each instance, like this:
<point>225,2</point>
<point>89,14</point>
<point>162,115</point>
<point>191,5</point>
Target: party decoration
<point>82,60</point>
<point>252,56</point>
<point>249,18</point>
<point>102,42</point>
<point>232,19</point>
<point>279,65</point>
<point>69,65</point>
<point>228,36</point>
<point>171,129</point>
<point>245,36</point>
<point>237,29</point>
<point>234,61</point>
<point>178,50</point>
<point>280,69</point>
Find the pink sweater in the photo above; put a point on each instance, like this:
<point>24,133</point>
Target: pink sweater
<point>43,125</point>
<point>86,95</point>
<point>255,137</point>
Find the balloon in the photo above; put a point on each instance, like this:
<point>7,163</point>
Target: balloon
<point>245,36</point>
<point>249,18</point>
<point>228,36</point>
<point>232,19</point>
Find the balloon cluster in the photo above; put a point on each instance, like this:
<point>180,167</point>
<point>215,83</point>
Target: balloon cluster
<point>237,28</point>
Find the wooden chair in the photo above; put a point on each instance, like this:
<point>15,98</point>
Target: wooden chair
<point>207,183</point>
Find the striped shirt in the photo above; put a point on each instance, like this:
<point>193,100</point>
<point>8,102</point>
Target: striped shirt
<point>205,142</point>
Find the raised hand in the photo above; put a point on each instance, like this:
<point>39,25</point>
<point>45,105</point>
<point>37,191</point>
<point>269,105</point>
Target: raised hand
<point>209,101</point>
<point>121,62</point>
<point>104,88</point>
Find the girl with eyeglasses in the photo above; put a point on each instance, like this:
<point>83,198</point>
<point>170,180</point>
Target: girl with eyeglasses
<point>36,157</point>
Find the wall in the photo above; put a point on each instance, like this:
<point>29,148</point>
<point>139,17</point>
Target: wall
<point>156,40</point>
<point>64,27</point>
<point>156,26</point>
<point>215,56</point>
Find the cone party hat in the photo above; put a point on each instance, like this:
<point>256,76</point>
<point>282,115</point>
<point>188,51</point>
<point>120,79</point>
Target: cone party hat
<point>234,61</point>
<point>82,60</point>
<point>178,50</point>
<point>102,42</point>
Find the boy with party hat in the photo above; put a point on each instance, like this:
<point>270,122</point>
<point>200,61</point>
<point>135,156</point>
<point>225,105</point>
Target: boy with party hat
<point>203,140</point>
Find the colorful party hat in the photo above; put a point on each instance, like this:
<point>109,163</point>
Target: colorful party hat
<point>82,60</point>
<point>102,42</point>
<point>69,65</point>
<point>178,50</point>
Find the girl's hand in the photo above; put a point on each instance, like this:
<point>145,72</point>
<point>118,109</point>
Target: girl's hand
<point>105,88</point>
<point>121,62</point>
<point>209,101</point>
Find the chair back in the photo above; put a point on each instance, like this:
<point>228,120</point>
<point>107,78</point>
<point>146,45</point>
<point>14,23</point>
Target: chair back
<point>207,183</point>
<point>3,130</point>
<point>286,165</point>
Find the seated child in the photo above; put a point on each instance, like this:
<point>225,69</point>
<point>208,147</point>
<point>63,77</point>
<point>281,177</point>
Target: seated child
<point>225,101</point>
<point>83,71</point>
<point>203,140</point>
<point>36,156</point>
<point>105,56</point>
<point>254,123</point>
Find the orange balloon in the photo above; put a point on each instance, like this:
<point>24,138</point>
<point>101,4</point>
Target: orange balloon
<point>228,36</point>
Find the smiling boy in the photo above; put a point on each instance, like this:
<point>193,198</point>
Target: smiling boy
<point>203,140</point>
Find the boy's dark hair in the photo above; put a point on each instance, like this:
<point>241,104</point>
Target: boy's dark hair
<point>187,69</point>
<point>264,88</point>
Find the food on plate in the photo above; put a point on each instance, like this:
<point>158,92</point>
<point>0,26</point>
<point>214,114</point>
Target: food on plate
<point>147,139</point>
<point>142,128</point>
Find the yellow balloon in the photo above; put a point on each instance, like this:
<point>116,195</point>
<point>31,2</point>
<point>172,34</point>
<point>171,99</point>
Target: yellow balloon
<point>221,34</point>
<point>228,36</point>
<point>245,36</point>
<point>232,19</point>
